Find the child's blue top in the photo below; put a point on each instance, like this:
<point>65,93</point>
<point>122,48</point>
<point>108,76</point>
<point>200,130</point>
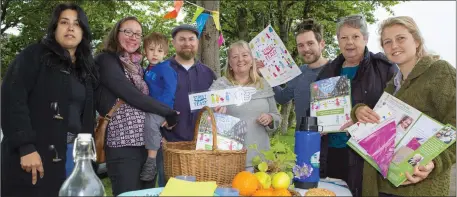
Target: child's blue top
<point>162,81</point>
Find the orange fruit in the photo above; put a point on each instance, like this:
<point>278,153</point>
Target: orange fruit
<point>246,183</point>
<point>263,192</point>
<point>281,192</point>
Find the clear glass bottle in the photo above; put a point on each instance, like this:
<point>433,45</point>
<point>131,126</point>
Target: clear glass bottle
<point>83,181</point>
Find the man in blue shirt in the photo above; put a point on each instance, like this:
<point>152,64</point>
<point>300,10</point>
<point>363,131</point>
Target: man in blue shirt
<point>193,77</point>
<point>310,45</point>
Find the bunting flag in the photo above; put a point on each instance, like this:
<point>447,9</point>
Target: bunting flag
<point>215,15</point>
<point>220,40</point>
<point>201,21</point>
<point>197,13</point>
<point>178,5</point>
<point>199,17</point>
<point>171,14</point>
<point>174,13</point>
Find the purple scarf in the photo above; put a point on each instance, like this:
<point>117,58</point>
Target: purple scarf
<point>126,127</point>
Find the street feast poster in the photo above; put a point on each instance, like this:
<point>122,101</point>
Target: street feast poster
<point>279,65</point>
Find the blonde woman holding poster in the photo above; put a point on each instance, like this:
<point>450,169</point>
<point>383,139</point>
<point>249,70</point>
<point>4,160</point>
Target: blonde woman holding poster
<point>260,113</point>
<point>425,83</point>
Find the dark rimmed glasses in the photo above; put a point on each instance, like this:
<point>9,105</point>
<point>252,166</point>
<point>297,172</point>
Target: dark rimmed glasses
<point>130,33</point>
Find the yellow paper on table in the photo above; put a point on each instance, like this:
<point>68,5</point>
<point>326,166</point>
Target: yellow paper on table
<point>177,187</point>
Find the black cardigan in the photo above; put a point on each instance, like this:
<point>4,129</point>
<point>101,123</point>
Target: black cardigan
<point>114,84</point>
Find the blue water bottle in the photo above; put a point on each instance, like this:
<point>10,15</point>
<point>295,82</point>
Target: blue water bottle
<point>307,149</point>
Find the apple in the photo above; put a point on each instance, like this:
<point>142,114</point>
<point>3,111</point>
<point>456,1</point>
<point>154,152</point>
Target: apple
<point>281,180</point>
<point>263,167</point>
<point>264,179</point>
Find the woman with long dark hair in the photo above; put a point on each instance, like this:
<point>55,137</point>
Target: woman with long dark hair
<point>47,99</point>
<point>121,77</point>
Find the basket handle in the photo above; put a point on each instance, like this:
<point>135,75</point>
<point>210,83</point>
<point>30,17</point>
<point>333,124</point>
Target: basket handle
<point>213,125</point>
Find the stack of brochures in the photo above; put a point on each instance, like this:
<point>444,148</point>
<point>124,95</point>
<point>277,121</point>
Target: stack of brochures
<point>404,138</point>
<point>331,103</point>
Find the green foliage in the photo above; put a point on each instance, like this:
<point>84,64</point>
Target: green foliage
<point>258,14</point>
<point>239,20</point>
<point>31,19</point>
<point>280,157</point>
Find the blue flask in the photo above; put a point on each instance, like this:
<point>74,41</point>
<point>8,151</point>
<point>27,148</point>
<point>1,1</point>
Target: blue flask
<point>307,149</point>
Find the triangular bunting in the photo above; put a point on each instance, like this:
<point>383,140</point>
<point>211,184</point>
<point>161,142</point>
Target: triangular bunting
<point>178,5</point>
<point>170,15</point>
<point>197,13</point>
<point>220,40</point>
<point>201,21</point>
<point>215,15</point>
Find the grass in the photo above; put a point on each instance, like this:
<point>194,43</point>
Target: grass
<point>108,187</point>
<point>107,184</point>
<point>288,138</point>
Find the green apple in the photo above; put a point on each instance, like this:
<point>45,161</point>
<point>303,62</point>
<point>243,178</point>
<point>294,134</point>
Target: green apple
<point>281,180</point>
<point>264,179</point>
<point>263,167</point>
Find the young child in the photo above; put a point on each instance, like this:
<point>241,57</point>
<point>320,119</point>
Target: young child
<point>161,80</point>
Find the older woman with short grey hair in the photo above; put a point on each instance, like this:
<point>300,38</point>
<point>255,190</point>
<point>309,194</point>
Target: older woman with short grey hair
<point>369,74</point>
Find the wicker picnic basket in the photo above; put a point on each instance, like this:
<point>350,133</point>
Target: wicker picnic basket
<point>181,158</point>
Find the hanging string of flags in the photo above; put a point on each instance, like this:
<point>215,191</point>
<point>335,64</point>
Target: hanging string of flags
<point>200,17</point>
<point>174,13</point>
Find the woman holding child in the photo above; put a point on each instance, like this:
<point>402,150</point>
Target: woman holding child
<point>121,77</point>
<point>425,83</point>
<point>261,114</point>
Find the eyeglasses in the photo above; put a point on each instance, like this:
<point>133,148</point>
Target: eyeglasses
<point>130,33</point>
<point>350,18</point>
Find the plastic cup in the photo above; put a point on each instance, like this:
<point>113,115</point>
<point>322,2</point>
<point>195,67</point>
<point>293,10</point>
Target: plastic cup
<point>225,191</point>
<point>187,178</point>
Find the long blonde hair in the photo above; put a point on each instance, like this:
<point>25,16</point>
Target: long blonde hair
<point>254,78</point>
<point>412,28</point>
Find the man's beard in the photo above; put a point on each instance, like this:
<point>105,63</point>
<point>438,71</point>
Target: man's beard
<point>187,55</point>
<point>314,58</point>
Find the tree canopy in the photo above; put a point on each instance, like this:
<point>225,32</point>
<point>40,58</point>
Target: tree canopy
<point>239,19</point>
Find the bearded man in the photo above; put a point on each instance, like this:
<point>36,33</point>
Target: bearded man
<point>193,77</point>
<point>310,45</point>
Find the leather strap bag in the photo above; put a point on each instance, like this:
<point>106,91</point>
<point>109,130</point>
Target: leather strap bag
<point>100,132</point>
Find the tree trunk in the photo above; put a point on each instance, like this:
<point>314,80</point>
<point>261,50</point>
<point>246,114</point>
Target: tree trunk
<point>292,115</point>
<point>285,112</point>
<point>284,35</point>
<point>306,9</point>
<point>242,23</point>
<point>208,51</point>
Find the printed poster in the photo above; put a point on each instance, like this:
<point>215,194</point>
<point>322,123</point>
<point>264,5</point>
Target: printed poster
<point>231,132</point>
<point>231,96</point>
<point>279,65</point>
<point>360,131</point>
<point>380,146</point>
<point>331,103</point>
<point>419,138</point>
